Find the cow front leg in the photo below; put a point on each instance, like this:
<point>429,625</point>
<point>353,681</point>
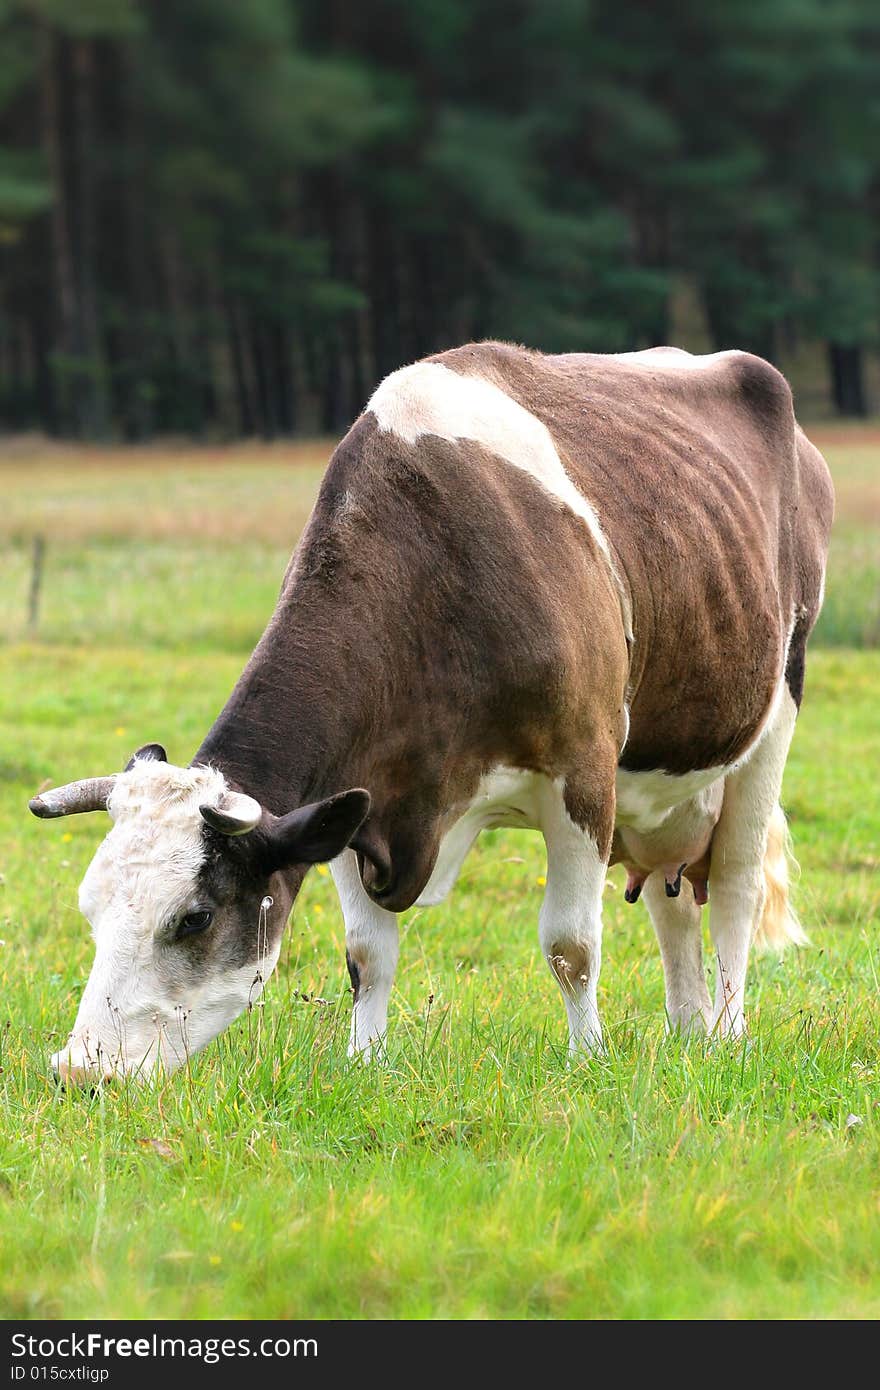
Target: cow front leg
<point>570,922</point>
<point>679,931</point>
<point>371,947</point>
<point>751,795</point>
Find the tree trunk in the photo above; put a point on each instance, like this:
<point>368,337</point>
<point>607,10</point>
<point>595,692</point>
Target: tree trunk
<point>139,410</point>
<point>652,251</point>
<point>265,412</point>
<point>364,336</point>
<point>847,379</point>
<point>282,378</point>
<point>16,374</point>
<point>63,330</point>
<point>94,394</point>
<point>239,372</point>
<point>340,388</point>
<point>44,392</point>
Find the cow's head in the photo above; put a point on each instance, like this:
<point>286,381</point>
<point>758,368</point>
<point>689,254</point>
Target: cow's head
<point>188,896</point>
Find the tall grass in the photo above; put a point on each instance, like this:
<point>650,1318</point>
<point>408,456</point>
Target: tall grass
<point>472,1173</point>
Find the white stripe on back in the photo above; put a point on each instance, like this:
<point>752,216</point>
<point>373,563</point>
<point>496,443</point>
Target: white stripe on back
<point>429,399</point>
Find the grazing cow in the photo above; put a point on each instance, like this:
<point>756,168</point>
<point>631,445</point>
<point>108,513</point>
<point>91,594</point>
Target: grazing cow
<point>571,593</point>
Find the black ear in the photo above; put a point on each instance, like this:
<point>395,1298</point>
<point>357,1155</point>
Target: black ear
<point>151,752</point>
<point>313,834</point>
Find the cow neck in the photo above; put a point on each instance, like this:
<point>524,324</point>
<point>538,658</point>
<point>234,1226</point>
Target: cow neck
<point>298,723</point>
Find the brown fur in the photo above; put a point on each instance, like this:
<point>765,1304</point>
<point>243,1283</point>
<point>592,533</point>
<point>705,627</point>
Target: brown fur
<point>717,509</point>
<point>444,614</point>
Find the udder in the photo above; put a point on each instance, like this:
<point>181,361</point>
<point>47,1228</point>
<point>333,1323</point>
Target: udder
<point>680,846</point>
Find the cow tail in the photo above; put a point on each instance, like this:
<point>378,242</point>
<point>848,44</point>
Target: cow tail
<point>778,925</point>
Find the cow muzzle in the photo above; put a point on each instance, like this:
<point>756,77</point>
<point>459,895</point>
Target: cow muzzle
<point>79,1066</point>
<point>79,1074</point>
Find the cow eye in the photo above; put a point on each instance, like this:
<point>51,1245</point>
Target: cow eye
<point>194,921</point>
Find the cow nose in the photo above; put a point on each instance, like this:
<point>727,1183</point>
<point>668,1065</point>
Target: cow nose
<point>71,1073</point>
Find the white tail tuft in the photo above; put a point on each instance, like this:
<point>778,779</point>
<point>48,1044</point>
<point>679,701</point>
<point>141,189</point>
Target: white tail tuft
<point>778,925</point>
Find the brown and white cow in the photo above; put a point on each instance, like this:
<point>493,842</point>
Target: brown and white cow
<point>571,593</point>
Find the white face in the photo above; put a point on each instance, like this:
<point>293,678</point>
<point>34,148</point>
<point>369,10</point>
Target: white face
<point>158,992</point>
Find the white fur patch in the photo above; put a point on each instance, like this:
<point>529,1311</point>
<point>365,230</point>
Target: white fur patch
<point>143,875</point>
<point>570,926</point>
<point>645,799</point>
<point>739,847</point>
<point>153,854</point>
<point>570,921</point>
<point>427,398</point>
<point>507,796</point>
<point>676,359</point>
<point>371,942</point>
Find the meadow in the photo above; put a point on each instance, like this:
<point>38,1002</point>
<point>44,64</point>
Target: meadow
<point>473,1174</point>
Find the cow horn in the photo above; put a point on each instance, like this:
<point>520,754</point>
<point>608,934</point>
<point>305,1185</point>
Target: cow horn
<point>89,795</point>
<point>236,814</point>
<point>150,753</point>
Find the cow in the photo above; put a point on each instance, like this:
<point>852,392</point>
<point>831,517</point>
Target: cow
<point>571,593</point>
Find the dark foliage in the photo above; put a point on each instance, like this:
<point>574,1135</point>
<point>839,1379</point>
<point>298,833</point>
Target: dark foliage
<point>233,218</point>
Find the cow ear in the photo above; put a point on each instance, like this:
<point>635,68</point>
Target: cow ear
<point>318,832</point>
<point>150,753</point>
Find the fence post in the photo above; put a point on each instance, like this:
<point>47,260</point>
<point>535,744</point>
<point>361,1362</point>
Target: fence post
<point>38,559</point>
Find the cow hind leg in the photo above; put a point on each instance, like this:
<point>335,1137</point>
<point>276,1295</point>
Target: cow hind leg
<point>740,847</point>
<point>679,931</point>
<point>371,947</point>
<point>570,922</point>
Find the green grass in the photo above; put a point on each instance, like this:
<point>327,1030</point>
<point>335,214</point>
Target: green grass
<point>474,1173</point>
<point>140,543</point>
<point>851,613</point>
